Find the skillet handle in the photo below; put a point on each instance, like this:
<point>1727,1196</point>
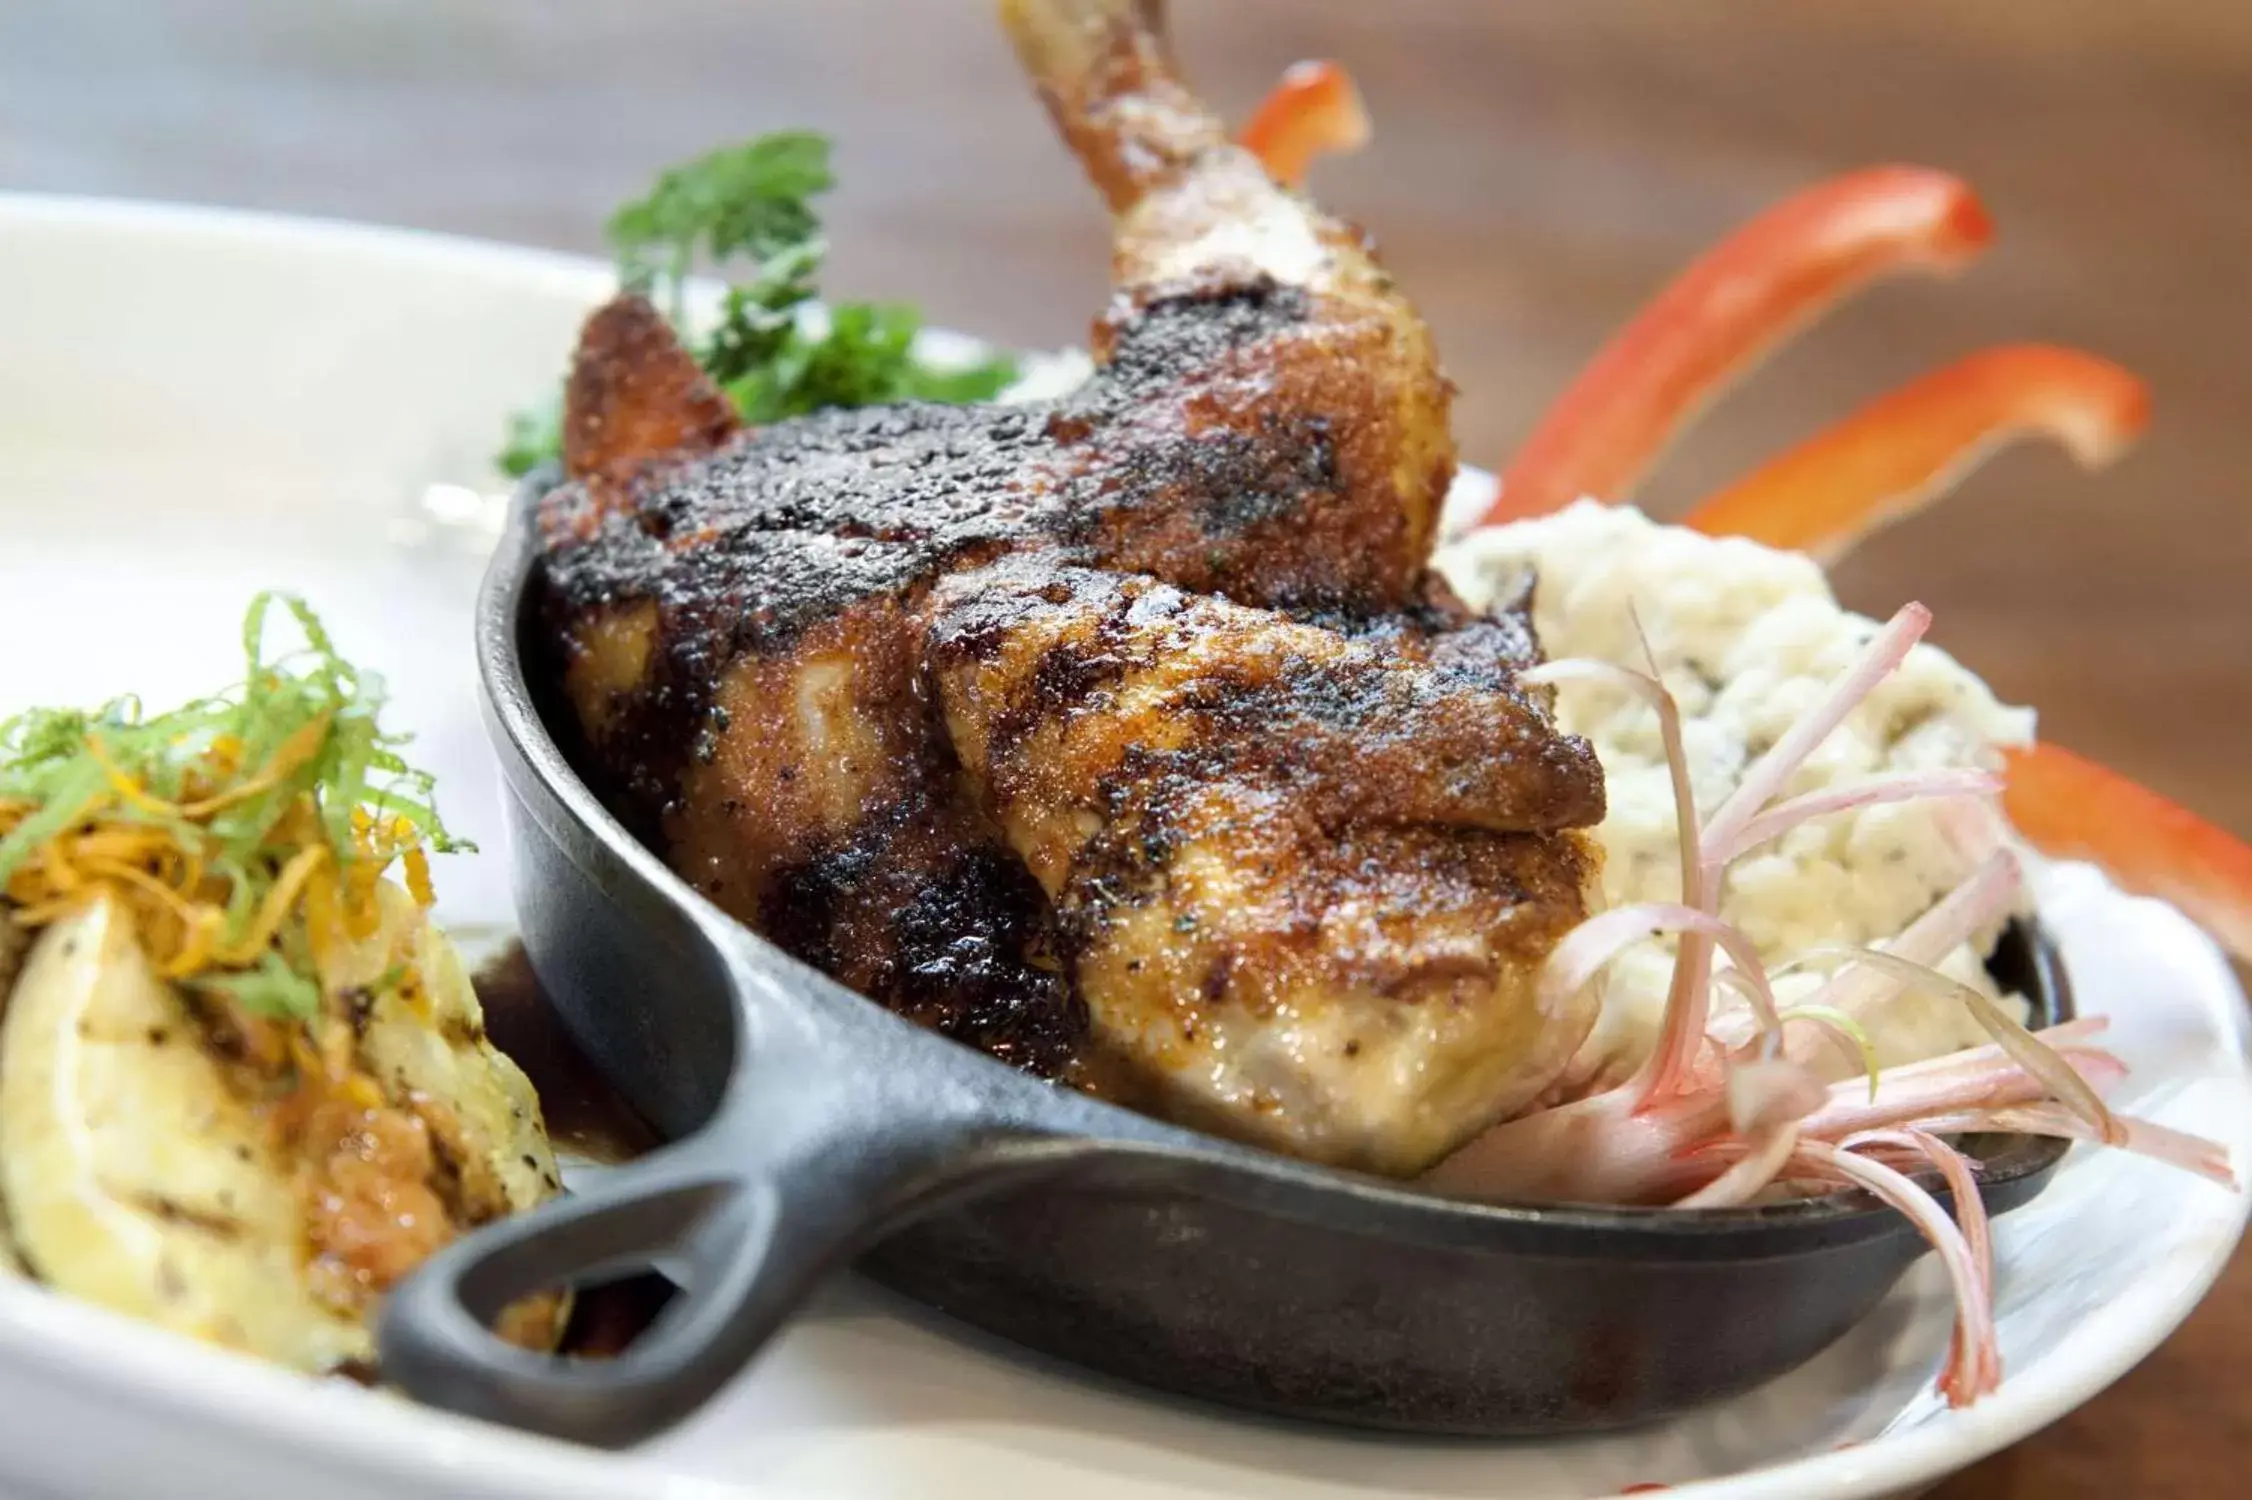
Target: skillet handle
<point>744,1241</point>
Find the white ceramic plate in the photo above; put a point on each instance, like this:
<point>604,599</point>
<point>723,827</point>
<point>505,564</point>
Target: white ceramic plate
<point>195,405</point>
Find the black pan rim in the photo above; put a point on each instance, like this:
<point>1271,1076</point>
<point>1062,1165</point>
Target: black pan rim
<point>514,711</point>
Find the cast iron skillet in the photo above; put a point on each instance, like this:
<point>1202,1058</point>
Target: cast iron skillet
<point>812,1127</point>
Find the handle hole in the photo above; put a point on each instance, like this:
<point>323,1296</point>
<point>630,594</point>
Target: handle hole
<point>608,1316</point>
<point>538,1321</point>
<point>630,1267</point>
<point>587,1243</point>
<point>602,1317</point>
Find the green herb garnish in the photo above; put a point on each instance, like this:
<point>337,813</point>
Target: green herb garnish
<point>753,201</point>
<point>747,211</point>
<point>227,824</point>
<point>273,988</point>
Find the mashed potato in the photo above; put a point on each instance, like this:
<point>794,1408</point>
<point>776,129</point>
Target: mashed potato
<point>1746,638</point>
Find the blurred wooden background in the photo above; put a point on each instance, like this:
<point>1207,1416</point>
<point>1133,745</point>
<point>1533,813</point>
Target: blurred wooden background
<point>1540,168</point>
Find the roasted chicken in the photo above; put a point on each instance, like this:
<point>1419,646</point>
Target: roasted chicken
<point>1123,735</point>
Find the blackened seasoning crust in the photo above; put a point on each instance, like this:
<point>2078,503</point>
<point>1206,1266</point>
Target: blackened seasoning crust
<point>1116,687</point>
<point>958,940</point>
<point>797,523</point>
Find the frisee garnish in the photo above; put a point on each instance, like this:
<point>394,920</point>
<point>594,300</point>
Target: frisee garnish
<point>246,831</point>
<point>746,211</point>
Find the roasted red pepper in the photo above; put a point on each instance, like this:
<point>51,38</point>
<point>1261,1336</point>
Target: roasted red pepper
<point>1314,111</point>
<point>2071,808</point>
<point>1726,313</point>
<point>1905,449</point>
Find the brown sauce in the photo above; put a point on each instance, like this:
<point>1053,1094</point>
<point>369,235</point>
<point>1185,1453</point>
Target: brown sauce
<point>586,1119</point>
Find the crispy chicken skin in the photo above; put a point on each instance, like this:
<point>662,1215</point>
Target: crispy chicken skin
<point>1065,690</point>
<point>640,393</point>
<point>1120,734</point>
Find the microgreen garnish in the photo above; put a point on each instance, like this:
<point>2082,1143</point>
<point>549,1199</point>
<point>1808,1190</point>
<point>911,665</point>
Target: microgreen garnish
<point>245,831</point>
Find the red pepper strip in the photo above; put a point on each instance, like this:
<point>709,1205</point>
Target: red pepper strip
<point>1906,449</point>
<point>2071,808</point>
<point>1725,314</point>
<point>1313,111</point>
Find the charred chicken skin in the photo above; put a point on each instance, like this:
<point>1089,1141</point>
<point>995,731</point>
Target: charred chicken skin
<point>1124,735</point>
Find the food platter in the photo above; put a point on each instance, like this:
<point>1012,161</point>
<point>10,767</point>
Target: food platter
<point>201,404</point>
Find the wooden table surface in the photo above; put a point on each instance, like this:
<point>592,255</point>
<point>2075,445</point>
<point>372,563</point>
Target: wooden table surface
<point>1541,167</point>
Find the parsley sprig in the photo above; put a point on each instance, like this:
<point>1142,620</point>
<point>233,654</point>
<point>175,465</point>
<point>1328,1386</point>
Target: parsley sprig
<point>747,211</point>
